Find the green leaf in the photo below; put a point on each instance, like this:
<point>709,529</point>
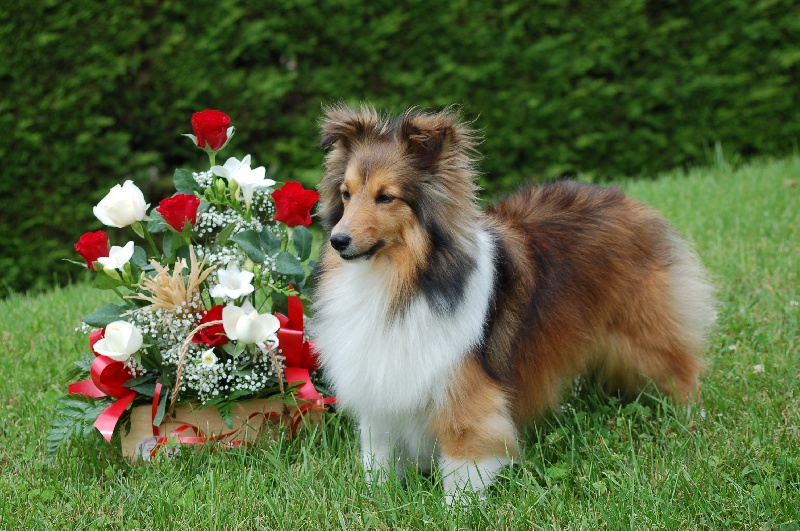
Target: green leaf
<point>224,234</point>
<point>166,243</point>
<point>184,182</point>
<point>81,368</point>
<point>156,223</point>
<point>138,228</point>
<point>162,407</point>
<point>182,252</point>
<point>269,242</point>
<point>144,385</point>
<point>75,416</point>
<point>225,409</point>
<point>288,264</point>
<point>105,315</point>
<point>139,257</point>
<point>76,262</point>
<point>555,472</point>
<point>250,243</point>
<point>102,281</point>
<point>301,238</point>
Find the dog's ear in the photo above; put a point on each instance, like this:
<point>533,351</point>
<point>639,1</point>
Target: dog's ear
<point>343,125</point>
<point>430,137</point>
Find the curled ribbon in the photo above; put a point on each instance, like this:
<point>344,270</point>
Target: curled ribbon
<point>109,376</point>
<point>107,379</point>
<point>301,360</point>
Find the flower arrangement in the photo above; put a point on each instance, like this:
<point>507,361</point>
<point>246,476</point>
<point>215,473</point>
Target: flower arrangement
<point>198,317</point>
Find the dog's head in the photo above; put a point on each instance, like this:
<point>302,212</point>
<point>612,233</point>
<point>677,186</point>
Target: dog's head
<point>395,186</point>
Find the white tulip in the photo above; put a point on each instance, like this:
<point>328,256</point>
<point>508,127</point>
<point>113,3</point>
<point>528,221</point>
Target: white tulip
<point>248,179</point>
<point>248,327</point>
<point>121,339</point>
<point>233,283</point>
<point>117,256</point>
<point>122,206</point>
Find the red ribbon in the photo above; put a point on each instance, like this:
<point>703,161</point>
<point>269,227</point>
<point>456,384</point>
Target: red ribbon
<point>109,376</point>
<point>301,360</point>
<point>107,379</point>
<point>298,351</point>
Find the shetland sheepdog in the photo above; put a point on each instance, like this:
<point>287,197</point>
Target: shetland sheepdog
<point>446,330</point>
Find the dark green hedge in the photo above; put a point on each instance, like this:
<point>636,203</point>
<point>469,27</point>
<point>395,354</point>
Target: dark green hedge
<point>93,92</point>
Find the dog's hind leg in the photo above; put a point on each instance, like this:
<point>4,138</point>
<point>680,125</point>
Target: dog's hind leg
<point>663,331</point>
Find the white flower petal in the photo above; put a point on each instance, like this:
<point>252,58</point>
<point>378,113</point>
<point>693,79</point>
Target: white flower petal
<point>257,174</point>
<point>218,291</point>
<point>270,323</point>
<point>230,316</point>
<point>220,171</point>
<point>233,283</point>
<point>121,339</point>
<point>209,359</point>
<point>122,206</point>
<point>250,329</point>
<point>100,213</point>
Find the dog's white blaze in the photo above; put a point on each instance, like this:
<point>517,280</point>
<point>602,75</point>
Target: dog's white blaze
<point>389,370</point>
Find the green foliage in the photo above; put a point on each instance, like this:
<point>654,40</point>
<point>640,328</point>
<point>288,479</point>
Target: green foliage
<point>74,418</point>
<point>599,464</point>
<point>601,88</point>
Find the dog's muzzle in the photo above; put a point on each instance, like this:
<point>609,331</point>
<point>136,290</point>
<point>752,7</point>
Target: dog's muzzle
<point>340,241</point>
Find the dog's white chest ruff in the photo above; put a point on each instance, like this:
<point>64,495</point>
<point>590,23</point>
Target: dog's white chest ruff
<point>383,367</point>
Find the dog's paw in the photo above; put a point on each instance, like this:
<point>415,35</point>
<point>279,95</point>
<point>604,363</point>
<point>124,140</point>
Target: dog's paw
<point>465,498</point>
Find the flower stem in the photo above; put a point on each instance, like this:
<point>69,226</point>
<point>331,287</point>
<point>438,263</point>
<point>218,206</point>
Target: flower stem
<point>115,290</point>
<point>212,157</point>
<point>286,243</point>
<point>149,239</point>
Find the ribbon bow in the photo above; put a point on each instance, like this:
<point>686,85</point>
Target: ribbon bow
<point>301,360</point>
<point>107,379</point>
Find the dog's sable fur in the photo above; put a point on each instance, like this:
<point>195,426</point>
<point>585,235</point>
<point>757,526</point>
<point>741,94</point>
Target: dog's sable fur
<point>445,329</point>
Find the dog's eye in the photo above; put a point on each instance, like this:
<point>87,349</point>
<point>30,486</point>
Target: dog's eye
<point>345,195</point>
<point>384,198</point>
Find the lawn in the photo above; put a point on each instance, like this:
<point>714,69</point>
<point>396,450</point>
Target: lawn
<point>596,464</point>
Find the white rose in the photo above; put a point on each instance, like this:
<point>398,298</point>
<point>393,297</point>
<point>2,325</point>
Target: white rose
<point>248,327</point>
<point>122,206</point>
<point>120,340</point>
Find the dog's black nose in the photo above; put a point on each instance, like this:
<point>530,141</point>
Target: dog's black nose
<point>340,241</point>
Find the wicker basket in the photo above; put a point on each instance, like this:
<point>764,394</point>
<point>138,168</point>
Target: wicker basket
<point>191,424</point>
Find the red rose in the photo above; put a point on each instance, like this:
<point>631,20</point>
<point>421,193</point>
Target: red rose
<point>93,245</point>
<point>213,336</point>
<point>178,208</point>
<point>211,127</point>
<point>94,337</point>
<point>293,204</point>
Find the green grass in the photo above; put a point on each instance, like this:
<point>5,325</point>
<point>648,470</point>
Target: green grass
<point>598,464</point>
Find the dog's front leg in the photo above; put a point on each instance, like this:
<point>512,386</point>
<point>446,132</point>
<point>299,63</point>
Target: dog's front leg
<point>462,475</point>
<point>379,452</point>
<point>475,432</point>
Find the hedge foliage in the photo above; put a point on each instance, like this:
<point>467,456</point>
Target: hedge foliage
<point>95,92</point>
